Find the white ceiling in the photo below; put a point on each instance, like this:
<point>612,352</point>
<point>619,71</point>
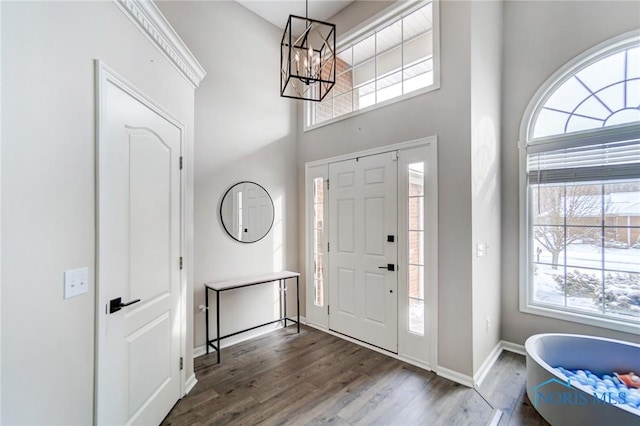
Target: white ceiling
<point>277,11</point>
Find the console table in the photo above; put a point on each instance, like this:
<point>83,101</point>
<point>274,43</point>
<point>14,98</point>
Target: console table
<point>236,283</point>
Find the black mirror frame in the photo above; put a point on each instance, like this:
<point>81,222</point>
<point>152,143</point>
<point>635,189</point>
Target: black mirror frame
<point>272,208</point>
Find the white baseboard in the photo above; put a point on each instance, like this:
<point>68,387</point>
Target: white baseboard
<point>482,372</point>
<point>414,361</point>
<point>202,350</point>
<point>191,382</point>
<point>455,376</point>
<point>486,366</point>
<point>513,347</point>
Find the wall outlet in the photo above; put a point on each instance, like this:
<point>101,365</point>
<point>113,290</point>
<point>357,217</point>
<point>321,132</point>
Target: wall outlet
<point>76,282</point>
<point>488,323</point>
<point>481,249</point>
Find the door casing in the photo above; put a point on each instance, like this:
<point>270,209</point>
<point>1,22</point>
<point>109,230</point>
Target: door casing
<point>318,317</point>
<point>102,73</point>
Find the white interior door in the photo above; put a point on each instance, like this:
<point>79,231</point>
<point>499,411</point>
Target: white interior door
<point>139,203</point>
<point>257,212</point>
<point>362,215</point>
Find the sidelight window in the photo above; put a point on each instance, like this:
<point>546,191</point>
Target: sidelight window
<point>416,247</point>
<point>318,241</point>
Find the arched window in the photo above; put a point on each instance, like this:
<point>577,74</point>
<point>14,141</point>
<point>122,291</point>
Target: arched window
<point>580,168</point>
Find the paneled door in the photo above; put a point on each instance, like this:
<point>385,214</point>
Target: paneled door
<point>259,215</point>
<point>139,228</point>
<point>363,222</point>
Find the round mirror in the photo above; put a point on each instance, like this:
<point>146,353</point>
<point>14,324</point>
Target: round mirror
<point>247,212</point>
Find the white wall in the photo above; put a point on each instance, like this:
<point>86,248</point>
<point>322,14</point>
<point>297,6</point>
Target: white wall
<point>447,114</point>
<point>244,131</point>
<point>540,37</point>
<point>48,193</point>
<point>486,65</point>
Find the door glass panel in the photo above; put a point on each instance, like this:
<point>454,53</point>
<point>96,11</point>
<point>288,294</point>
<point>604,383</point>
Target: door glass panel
<point>318,240</point>
<point>415,208</point>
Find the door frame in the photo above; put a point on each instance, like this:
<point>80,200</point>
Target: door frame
<point>319,318</point>
<point>103,74</point>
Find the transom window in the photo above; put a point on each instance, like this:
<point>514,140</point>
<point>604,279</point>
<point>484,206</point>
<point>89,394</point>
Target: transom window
<point>392,59</point>
<point>582,174</point>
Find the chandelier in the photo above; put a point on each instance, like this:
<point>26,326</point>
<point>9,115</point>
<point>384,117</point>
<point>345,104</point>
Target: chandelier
<point>307,58</point>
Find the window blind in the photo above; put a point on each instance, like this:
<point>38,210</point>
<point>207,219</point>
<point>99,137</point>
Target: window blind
<point>605,161</point>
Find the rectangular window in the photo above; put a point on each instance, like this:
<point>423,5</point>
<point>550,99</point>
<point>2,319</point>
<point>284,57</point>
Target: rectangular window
<point>393,58</point>
<point>416,248</point>
<point>318,239</point>
<point>584,230</point>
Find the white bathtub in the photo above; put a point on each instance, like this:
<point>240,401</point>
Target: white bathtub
<point>561,404</point>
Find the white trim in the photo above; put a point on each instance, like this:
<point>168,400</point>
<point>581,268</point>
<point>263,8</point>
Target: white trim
<point>513,347</point>
<point>190,383</point>
<point>146,16</point>
<point>580,318</point>
<point>373,107</point>
<point>414,361</point>
<point>411,344</point>
<point>484,369</point>
<point>394,11</point>
<point>453,375</point>
<point>488,363</point>
<point>102,74</point>
<point>497,415</point>
<point>316,313</point>
<point>414,143</point>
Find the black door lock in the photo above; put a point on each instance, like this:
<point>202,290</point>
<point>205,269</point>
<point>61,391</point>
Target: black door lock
<point>116,304</point>
<point>389,267</point>
<point>391,238</point>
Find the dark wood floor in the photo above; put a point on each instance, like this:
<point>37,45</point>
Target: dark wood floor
<point>316,378</point>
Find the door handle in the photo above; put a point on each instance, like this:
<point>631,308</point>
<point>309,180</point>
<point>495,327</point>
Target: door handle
<point>389,267</point>
<point>116,304</point>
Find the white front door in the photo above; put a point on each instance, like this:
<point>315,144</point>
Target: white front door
<point>139,199</point>
<point>362,237</point>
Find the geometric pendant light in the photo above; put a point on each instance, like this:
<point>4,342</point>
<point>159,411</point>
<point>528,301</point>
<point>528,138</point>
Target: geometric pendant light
<point>307,58</point>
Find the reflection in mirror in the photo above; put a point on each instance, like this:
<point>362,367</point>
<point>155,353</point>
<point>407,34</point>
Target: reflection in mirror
<point>247,212</point>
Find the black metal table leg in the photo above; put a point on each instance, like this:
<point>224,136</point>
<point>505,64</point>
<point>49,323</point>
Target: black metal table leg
<point>282,285</point>
<point>298,300</point>
<point>284,296</point>
<point>206,315</point>
<point>218,324</point>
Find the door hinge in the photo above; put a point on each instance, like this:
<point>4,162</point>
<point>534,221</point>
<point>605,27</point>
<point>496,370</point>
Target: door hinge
<point>327,184</point>
<point>328,310</point>
<point>181,263</point>
<point>181,363</point>
<point>327,247</point>
<point>180,163</point>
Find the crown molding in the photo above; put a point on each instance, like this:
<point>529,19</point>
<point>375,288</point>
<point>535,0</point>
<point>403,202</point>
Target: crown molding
<point>151,22</point>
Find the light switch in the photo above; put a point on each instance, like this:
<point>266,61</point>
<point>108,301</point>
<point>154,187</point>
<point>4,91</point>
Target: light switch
<point>76,282</point>
<point>481,249</point>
